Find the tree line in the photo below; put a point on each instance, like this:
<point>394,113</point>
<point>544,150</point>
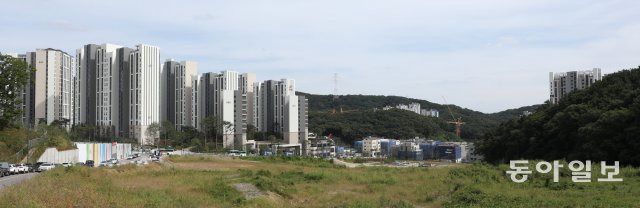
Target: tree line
<point>358,118</point>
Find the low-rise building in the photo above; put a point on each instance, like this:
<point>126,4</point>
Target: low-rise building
<point>371,146</point>
<point>387,147</point>
<point>409,151</point>
<point>358,146</point>
<point>321,147</point>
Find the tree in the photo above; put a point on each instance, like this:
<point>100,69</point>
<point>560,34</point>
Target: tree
<point>600,123</point>
<point>251,132</point>
<point>209,125</point>
<point>216,126</point>
<point>187,135</point>
<point>62,123</point>
<point>14,75</point>
<point>152,133</point>
<point>168,130</point>
<point>83,132</point>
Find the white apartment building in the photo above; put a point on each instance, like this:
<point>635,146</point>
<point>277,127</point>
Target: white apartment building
<point>563,83</point>
<point>413,107</point>
<point>371,146</point>
<point>51,92</point>
<point>216,93</point>
<point>145,84</point>
<point>430,112</point>
<point>278,109</point>
<point>107,89</point>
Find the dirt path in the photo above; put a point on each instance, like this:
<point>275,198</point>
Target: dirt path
<point>249,190</point>
<point>346,164</point>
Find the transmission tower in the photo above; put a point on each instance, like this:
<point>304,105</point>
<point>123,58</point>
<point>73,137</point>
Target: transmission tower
<point>336,100</point>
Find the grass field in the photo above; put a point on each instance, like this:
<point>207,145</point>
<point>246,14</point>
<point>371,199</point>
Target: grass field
<point>306,182</point>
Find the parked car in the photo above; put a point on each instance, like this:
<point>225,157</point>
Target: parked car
<point>30,167</point>
<point>4,172</point>
<point>4,169</point>
<point>37,166</point>
<point>13,169</point>
<point>45,167</point>
<point>22,168</point>
<point>89,163</point>
<point>104,163</point>
<point>237,153</point>
<point>114,161</point>
<point>67,164</point>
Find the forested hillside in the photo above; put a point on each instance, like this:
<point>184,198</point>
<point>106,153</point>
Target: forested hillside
<point>358,119</point>
<point>598,123</point>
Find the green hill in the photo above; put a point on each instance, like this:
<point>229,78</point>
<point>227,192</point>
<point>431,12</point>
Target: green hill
<point>14,142</point>
<point>601,123</point>
<point>358,118</point>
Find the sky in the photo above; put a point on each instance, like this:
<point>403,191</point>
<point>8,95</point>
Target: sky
<point>485,55</point>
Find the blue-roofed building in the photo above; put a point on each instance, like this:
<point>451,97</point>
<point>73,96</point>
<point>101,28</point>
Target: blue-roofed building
<point>409,151</point>
<point>428,151</point>
<point>449,152</point>
<point>387,146</point>
<point>358,146</point>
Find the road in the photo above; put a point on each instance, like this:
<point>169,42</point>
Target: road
<point>14,179</point>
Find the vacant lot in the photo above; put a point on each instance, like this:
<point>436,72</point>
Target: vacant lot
<point>305,182</point>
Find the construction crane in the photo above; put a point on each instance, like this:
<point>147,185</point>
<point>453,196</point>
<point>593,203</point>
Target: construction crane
<point>455,121</point>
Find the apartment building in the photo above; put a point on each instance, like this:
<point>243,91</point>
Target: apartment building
<point>145,85</point>
<point>123,90</point>
<point>48,96</point>
<point>102,88</point>
<point>216,100</point>
<point>303,118</point>
<point>244,105</point>
<point>278,109</point>
<point>562,83</point>
<point>179,92</point>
